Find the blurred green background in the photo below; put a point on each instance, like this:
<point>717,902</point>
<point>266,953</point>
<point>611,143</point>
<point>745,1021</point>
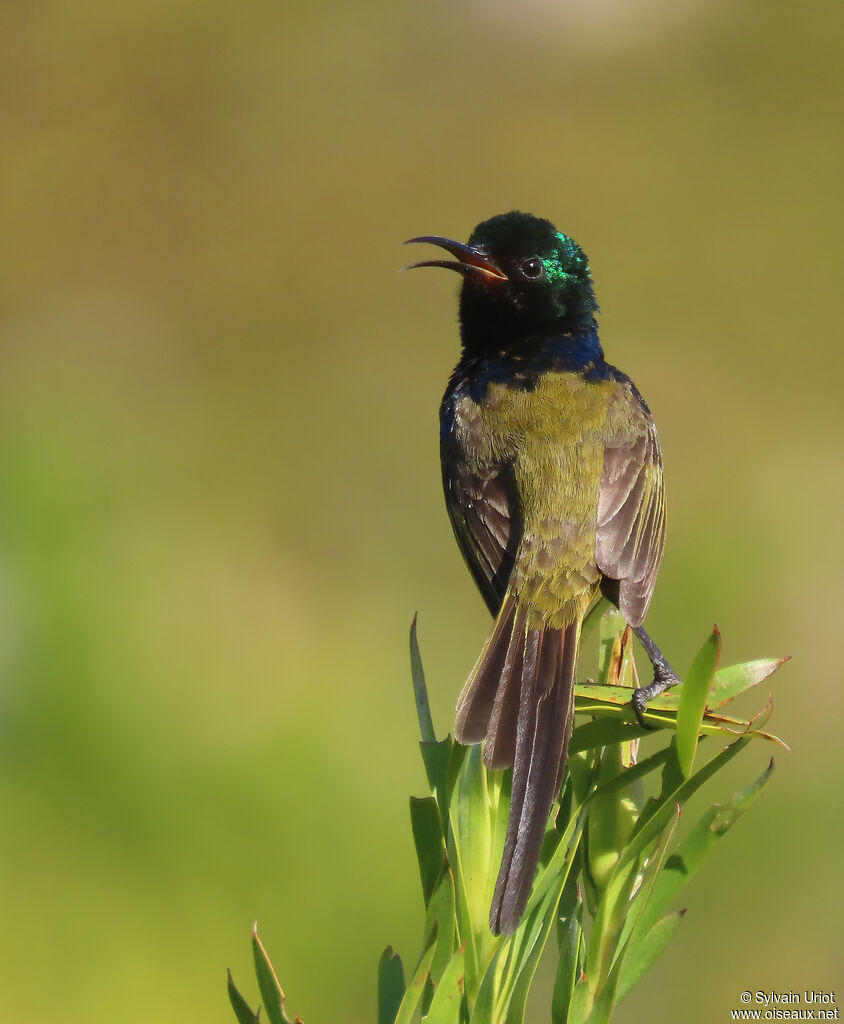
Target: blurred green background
<point>219,484</point>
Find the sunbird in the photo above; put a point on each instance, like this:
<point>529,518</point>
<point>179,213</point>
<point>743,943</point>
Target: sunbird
<point>553,479</point>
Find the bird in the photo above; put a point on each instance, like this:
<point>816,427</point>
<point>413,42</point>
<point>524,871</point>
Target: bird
<point>553,478</point>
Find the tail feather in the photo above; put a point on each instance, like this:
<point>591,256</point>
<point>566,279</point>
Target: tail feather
<point>500,744</point>
<point>476,701</point>
<point>544,725</point>
<point>519,698</point>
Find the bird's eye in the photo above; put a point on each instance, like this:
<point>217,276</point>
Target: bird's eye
<point>532,268</point>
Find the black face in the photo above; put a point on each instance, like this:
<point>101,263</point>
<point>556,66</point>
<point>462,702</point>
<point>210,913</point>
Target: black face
<point>547,273</point>
<point>521,278</point>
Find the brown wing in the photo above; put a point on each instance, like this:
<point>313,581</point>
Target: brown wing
<point>483,512</point>
<point>631,509</point>
<point>480,495</point>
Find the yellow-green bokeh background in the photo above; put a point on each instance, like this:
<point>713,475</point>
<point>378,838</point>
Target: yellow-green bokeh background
<point>219,485</point>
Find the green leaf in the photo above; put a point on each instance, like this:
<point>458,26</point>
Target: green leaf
<point>693,701</point>
<point>474,837</point>
<point>613,624</point>
<point>414,991</point>
<point>730,682</point>
<point>531,937</point>
<point>436,758</point>
<point>605,731</point>
<point>271,991</point>
<point>649,873</point>
<point>464,926</point>
<point>609,922</point>
<point>606,998</point>
<point>587,695</point>
<point>426,825</point>
<point>579,1003</point>
<point>620,935</point>
<point>390,986</point>
<point>614,717</point>
<point>242,1010</point>
<point>651,824</point>
<point>644,953</point>
<point>528,945</point>
<point>647,831</point>
<point>637,771</point>
<point>441,916</point>
<point>569,941</point>
<point>420,690</point>
<point>609,822</point>
<point>483,1011</point>
<point>448,995</point>
<point>683,864</point>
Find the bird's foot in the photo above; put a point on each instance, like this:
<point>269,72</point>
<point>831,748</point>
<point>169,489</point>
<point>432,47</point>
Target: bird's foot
<point>664,678</point>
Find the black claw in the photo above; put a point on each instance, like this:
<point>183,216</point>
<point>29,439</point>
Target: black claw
<point>664,679</point>
<point>639,703</point>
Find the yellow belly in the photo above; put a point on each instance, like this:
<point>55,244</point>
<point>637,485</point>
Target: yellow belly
<point>555,437</point>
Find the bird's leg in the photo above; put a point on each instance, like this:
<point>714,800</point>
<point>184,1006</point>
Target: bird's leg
<point>664,676</point>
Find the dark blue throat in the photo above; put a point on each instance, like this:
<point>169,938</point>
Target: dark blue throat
<point>521,366</point>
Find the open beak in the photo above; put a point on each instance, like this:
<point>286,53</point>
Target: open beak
<point>467,260</point>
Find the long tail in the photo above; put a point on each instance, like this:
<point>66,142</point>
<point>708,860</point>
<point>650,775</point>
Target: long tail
<point>519,699</point>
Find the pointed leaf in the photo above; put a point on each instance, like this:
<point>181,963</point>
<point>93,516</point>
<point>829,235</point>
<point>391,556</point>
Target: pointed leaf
<point>649,874</point>
<point>609,645</point>
<point>526,950</point>
<point>529,940</point>
<point>270,989</point>
<point>606,999</point>
<point>587,694</point>
<point>644,953</point>
<point>441,916</point>
<point>474,837</point>
<point>608,924</point>
<point>426,825</point>
<point>579,1003</point>
<point>414,991</point>
<point>242,1010</point>
<point>614,717</point>
<point>605,731</point>
<point>390,986</point>
<point>420,690</point>
<point>464,925</point>
<point>607,994</point>
<point>649,828</point>
<point>436,758</point>
<point>693,701</point>
<point>483,1011</point>
<point>448,995</point>
<point>735,679</point>
<point>569,938</point>
<point>630,775</point>
<point>683,864</point>
<point>651,824</point>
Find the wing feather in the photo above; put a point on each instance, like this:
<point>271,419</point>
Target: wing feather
<point>631,510</point>
<point>482,499</point>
